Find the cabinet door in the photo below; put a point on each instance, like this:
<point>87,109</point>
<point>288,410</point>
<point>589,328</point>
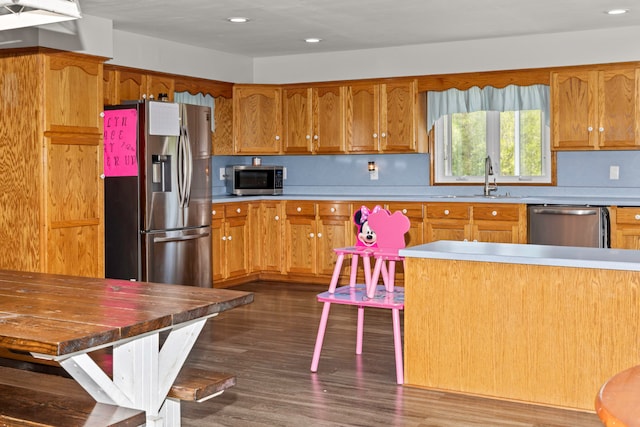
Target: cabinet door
<point>222,137</point>
<point>573,110</point>
<point>625,230</point>
<point>329,119</point>
<point>334,231</point>
<point>297,120</point>
<point>272,246</point>
<point>301,237</point>
<point>397,116</point>
<point>236,251</point>
<point>447,221</point>
<point>257,119</point>
<point>618,108</point>
<point>499,223</point>
<point>132,86</point>
<point>160,84</point>
<point>218,246</point>
<point>363,109</point>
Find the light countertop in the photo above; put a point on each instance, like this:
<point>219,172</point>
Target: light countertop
<point>511,253</point>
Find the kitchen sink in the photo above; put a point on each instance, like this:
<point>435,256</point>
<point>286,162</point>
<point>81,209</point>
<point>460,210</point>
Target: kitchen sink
<point>477,196</point>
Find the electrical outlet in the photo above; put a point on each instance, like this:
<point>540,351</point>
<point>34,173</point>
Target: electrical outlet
<point>222,174</point>
<point>284,173</point>
<point>373,175</point>
<point>614,172</point>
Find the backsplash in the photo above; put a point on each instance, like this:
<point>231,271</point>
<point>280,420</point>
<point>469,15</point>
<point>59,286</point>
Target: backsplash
<point>579,173</point>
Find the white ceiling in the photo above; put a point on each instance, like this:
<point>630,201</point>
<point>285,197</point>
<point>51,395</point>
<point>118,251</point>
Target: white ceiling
<point>278,27</point>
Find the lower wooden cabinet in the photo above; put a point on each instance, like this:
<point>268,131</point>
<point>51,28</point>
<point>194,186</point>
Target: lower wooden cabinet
<point>482,222</point>
<point>312,231</point>
<point>266,237</point>
<point>229,232</point>
<point>625,227</point>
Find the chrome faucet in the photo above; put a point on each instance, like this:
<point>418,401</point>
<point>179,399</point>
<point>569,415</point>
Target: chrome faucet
<point>488,171</point>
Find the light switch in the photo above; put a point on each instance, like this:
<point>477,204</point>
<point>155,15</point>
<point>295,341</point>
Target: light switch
<point>222,174</point>
<point>614,172</point>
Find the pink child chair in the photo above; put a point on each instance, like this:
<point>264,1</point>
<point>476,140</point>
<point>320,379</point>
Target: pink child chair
<point>380,236</point>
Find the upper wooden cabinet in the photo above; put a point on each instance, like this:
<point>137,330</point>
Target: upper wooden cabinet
<point>386,117</point>
<point>52,209</point>
<point>313,120</point>
<point>257,119</point>
<point>595,109</point>
<point>123,84</point>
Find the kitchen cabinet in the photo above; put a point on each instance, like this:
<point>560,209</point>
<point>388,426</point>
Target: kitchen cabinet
<point>415,236</point>
<point>625,227</point>
<point>257,119</point>
<point>595,109</point>
<point>312,231</point>
<point>385,117</point>
<point>124,84</point>
<point>52,208</point>
<point>314,120</point>
<point>267,236</point>
<point>483,222</point>
<point>229,232</point>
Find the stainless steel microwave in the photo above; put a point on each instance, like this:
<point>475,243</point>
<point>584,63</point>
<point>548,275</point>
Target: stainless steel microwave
<point>248,180</point>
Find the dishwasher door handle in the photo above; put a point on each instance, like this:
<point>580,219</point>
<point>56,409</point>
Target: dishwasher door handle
<point>561,211</point>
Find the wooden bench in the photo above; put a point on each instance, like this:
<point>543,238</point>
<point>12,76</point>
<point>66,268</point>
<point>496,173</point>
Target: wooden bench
<point>192,384</point>
<point>34,399</point>
<point>618,402</point>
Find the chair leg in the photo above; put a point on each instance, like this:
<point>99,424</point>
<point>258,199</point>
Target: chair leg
<point>397,343</point>
<point>320,338</point>
<point>359,330</point>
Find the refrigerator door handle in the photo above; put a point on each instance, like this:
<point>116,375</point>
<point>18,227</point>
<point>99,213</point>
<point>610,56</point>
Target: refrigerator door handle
<point>179,239</point>
<point>185,162</point>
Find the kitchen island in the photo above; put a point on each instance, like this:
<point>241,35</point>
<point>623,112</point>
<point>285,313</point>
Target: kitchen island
<point>539,324</point>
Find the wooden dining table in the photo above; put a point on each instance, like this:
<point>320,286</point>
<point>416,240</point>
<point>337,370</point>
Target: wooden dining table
<point>64,318</point>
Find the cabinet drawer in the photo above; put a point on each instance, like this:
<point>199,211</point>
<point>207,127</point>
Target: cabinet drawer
<point>217,212</point>
<point>496,212</point>
<point>301,209</point>
<point>334,209</point>
<point>411,210</point>
<point>448,210</point>
<point>235,210</point>
<point>628,216</point>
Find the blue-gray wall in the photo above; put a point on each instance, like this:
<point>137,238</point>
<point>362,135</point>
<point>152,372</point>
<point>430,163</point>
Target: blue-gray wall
<point>579,173</point>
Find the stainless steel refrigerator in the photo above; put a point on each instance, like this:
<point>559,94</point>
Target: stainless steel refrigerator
<point>158,193</point>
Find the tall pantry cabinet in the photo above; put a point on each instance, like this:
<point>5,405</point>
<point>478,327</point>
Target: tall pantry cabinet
<point>51,192</point>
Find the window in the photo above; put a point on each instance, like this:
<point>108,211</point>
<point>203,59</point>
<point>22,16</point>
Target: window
<point>516,139</point>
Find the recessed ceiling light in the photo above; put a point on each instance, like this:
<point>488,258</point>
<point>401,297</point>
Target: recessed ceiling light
<point>238,19</point>
<point>617,11</point>
<point>313,40</point>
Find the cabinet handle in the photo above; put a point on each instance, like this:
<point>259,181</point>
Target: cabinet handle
<point>277,137</point>
<point>475,240</point>
<point>404,211</point>
<point>102,114</point>
<point>277,218</point>
<point>315,137</point>
<point>383,134</point>
<point>375,135</point>
<point>465,240</point>
<point>601,129</point>
<point>298,209</point>
<point>332,210</point>
<point>213,212</point>
<point>319,235</point>
<point>311,235</point>
<point>102,176</point>
<point>228,237</point>
<point>238,210</point>
<point>494,213</point>
<point>224,237</point>
<point>446,211</point>
<point>308,137</point>
<point>590,128</point>
<point>637,216</point>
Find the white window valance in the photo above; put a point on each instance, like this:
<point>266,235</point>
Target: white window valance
<point>199,99</point>
<point>489,98</point>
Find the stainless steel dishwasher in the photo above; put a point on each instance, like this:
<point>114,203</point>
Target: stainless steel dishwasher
<point>564,225</point>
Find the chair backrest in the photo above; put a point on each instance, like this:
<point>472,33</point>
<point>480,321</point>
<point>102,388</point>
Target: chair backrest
<point>379,228</point>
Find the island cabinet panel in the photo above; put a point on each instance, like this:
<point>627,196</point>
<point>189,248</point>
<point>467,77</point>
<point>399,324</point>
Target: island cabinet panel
<point>625,227</point>
<point>542,334</point>
<point>596,109</point>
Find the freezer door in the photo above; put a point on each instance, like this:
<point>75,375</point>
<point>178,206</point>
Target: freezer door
<point>181,257</point>
<point>176,172</point>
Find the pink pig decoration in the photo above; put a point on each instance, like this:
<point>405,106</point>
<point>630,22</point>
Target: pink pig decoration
<point>389,228</point>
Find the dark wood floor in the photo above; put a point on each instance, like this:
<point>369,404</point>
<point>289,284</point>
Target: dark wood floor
<point>268,345</point>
